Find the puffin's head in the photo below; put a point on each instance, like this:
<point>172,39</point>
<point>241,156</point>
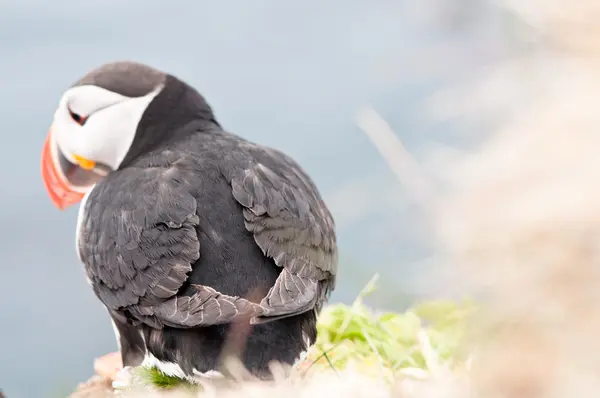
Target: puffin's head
<point>94,126</point>
<point>98,122</point>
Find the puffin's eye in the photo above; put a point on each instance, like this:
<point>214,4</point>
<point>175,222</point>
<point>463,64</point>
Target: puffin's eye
<point>77,117</point>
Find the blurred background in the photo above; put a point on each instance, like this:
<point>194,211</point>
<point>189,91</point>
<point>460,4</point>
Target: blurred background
<point>285,74</point>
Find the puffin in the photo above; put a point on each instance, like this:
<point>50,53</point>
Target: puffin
<point>200,244</point>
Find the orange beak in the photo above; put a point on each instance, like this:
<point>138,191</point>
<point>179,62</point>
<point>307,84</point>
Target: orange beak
<point>60,191</point>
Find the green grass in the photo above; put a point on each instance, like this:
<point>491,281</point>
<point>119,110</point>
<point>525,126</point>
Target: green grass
<point>386,344</point>
<point>157,378</point>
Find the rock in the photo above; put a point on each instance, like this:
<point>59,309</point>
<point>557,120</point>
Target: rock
<point>95,387</point>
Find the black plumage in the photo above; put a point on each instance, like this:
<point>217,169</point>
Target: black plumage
<point>199,228</point>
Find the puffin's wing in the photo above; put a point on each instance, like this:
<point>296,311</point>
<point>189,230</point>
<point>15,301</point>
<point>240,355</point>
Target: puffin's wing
<point>138,242</point>
<point>292,225</point>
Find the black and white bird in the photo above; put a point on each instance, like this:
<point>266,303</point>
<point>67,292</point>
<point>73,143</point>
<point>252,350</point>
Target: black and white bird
<point>185,229</point>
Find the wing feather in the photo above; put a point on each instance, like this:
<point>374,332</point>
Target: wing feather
<point>139,241</point>
<point>291,224</point>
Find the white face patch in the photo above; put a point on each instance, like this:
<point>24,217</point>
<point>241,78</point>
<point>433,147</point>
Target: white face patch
<point>111,123</point>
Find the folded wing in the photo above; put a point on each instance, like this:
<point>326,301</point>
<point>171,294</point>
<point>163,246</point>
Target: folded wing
<point>138,242</point>
<point>291,224</point>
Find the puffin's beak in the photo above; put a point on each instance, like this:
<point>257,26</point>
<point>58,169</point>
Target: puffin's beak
<point>61,192</point>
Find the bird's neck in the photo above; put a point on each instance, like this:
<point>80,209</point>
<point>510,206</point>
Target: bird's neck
<point>177,112</point>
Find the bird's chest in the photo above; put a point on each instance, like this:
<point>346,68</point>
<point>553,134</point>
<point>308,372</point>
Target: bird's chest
<point>80,234</point>
<point>79,227</point>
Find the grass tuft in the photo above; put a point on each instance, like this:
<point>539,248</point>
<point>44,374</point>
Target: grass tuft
<point>389,344</point>
<point>155,377</point>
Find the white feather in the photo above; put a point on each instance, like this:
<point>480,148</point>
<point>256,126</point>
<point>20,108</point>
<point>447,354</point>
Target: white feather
<point>112,121</point>
<point>117,334</point>
<point>80,217</point>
